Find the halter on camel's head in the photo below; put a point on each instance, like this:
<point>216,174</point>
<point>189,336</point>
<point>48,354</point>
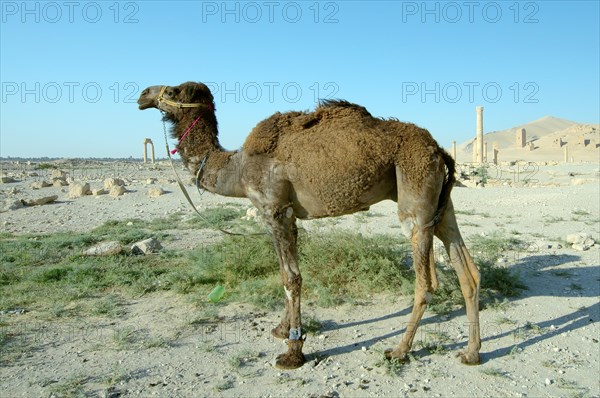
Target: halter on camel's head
<point>179,105</point>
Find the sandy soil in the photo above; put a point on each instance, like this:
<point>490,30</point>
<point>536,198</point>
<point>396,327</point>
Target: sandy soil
<point>543,344</point>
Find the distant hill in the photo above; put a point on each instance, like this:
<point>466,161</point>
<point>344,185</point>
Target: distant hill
<point>583,141</point>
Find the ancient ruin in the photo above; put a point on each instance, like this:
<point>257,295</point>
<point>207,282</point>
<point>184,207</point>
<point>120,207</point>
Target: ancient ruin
<point>146,142</point>
<point>480,154</point>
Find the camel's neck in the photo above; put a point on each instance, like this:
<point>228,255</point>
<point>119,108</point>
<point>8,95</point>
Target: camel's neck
<point>220,173</point>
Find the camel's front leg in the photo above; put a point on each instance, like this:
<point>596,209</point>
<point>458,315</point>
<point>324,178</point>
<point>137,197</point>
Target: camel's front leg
<point>282,224</point>
<point>282,330</point>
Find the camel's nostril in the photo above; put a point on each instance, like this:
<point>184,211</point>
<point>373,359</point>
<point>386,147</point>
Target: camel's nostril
<point>145,92</point>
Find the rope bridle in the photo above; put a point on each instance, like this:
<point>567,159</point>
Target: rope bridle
<point>177,105</point>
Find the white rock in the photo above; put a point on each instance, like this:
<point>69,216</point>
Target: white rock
<point>155,192</point>
<point>59,183</point>
<point>104,249</point>
<point>40,201</point>
<point>111,182</point>
<point>146,246</point>
<point>580,247</point>
<point>578,238</point>
<point>580,241</point>
<point>117,190</point>
<point>78,189</point>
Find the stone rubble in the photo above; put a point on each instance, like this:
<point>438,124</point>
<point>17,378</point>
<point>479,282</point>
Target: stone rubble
<point>155,192</point>
<point>39,201</point>
<point>117,190</point>
<point>581,241</point>
<point>78,189</point>
<point>104,249</point>
<point>146,246</point>
<point>111,182</point>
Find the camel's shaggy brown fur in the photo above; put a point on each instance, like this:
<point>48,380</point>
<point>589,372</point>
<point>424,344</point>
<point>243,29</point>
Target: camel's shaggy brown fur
<point>339,139</point>
<point>335,160</point>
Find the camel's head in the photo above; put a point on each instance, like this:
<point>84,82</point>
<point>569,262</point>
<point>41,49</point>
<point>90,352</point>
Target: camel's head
<point>176,99</point>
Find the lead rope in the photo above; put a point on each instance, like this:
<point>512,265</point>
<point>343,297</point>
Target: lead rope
<point>184,190</point>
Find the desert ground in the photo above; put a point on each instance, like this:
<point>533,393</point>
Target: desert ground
<point>541,343</point>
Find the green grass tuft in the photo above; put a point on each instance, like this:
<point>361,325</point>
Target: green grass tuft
<point>49,273</point>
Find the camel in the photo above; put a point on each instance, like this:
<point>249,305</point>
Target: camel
<point>333,161</point>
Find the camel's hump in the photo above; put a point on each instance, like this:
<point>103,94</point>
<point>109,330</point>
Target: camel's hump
<point>339,103</point>
<point>265,136</point>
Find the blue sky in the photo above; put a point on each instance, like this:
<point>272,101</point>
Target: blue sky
<point>72,71</point>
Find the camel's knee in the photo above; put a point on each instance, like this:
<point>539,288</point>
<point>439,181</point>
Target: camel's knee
<point>292,286</point>
<point>469,286</point>
<point>423,295</point>
<point>277,214</point>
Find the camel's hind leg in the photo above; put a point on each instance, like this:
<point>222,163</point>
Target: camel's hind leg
<point>426,281</point>
<point>468,275</point>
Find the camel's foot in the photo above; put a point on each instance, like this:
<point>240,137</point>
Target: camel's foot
<point>469,357</point>
<point>282,331</point>
<point>399,354</point>
<point>293,358</point>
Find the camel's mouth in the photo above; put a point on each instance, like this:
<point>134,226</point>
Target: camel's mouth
<point>145,104</point>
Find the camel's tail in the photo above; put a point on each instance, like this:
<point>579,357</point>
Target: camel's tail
<point>446,188</point>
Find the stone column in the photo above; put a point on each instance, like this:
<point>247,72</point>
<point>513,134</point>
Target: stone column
<point>479,110</point>
<point>495,155</point>
<point>521,138</point>
<point>454,150</point>
<point>152,151</point>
